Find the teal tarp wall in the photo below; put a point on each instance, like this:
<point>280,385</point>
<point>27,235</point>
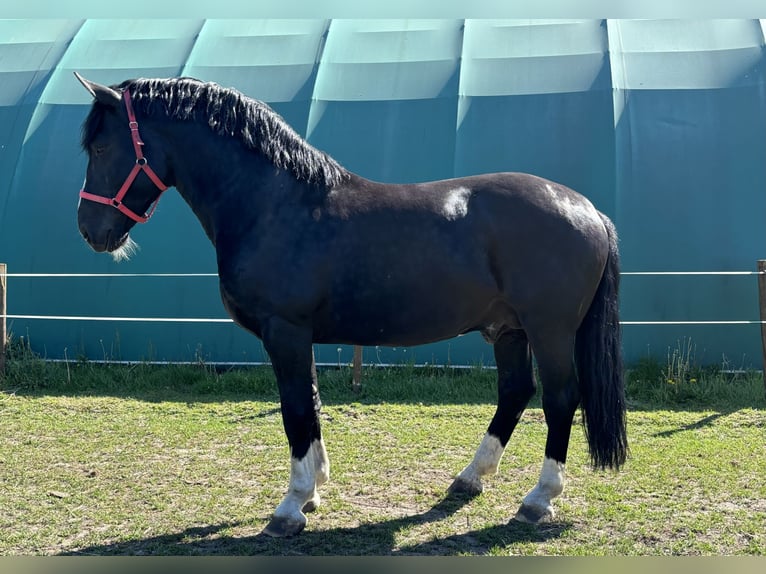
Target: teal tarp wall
<point>661,123</point>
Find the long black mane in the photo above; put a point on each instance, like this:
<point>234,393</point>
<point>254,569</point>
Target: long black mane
<point>229,113</point>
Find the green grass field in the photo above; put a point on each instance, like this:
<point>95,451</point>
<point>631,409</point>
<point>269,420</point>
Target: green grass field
<point>185,460</point>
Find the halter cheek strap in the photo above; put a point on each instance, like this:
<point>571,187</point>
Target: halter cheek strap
<point>141,165</point>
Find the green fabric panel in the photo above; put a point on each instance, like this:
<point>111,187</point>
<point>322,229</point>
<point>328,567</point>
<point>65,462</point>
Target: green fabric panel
<point>690,116</point>
<point>659,123</point>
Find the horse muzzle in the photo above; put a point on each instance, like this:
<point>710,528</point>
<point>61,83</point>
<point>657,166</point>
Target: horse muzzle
<point>108,241</point>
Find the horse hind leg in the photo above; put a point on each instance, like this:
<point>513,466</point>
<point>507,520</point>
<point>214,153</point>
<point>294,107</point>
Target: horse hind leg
<point>561,396</point>
<point>515,387</point>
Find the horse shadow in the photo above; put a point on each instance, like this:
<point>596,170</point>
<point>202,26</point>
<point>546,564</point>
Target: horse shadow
<point>369,539</point>
<point>702,423</point>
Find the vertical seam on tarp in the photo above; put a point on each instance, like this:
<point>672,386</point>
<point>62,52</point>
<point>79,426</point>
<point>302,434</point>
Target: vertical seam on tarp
<point>194,44</point>
<point>64,52</point>
<point>457,95</point>
<point>619,89</point>
<point>53,70</point>
<point>319,62</point>
<point>321,46</point>
<point>458,121</point>
<point>615,178</point>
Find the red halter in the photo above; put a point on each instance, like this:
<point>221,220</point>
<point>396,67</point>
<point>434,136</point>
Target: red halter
<point>141,164</point>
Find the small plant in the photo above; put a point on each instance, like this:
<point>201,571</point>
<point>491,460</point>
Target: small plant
<point>680,367</point>
<point>680,380</point>
<point>26,369</point>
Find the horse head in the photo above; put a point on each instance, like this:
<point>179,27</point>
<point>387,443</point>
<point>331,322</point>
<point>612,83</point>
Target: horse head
<point>120,187</point>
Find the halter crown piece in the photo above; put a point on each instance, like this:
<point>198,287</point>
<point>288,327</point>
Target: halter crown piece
<point>141,165</point>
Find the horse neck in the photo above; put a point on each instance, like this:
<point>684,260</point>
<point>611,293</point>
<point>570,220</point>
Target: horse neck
<point>227,186</point>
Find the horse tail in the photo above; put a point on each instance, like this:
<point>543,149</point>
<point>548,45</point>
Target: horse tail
<point>598,355</point>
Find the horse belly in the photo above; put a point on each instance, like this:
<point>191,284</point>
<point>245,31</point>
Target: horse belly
<point>362,327</point>
<point>421,309</point>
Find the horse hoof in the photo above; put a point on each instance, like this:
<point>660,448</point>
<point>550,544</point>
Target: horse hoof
<point>462,487</point>
<point>534,515</point>
<point>282,527</point>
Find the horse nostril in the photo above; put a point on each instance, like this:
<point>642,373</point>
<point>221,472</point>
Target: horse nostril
<point>84,234</point>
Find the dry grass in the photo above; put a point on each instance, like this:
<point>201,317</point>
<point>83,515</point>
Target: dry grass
<point>188,461</point>
<point>134,473</point>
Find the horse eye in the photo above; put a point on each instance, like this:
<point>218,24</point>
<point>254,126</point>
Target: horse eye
<point>99,150</point>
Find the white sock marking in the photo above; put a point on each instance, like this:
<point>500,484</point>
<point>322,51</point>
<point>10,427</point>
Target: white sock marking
<point>485,461</point>
<point>321,462</point>
<point>305,475</point>
<point>550,485</point>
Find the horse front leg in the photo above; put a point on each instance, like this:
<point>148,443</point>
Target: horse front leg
<point>292,358</point>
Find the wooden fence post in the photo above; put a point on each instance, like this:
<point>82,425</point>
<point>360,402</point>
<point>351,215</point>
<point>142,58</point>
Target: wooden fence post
<point>762,305</point>
<point>3,331</point>
<point>356,381</point>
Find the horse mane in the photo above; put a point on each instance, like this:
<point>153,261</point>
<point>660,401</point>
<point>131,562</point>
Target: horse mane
<point>229,113</point>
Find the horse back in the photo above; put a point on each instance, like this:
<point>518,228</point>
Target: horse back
<point>455,255</point>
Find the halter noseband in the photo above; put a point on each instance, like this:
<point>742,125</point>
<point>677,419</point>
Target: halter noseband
<point>141,165</point>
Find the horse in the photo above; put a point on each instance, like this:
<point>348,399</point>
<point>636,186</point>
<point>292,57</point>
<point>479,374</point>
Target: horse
<point>310,252</point>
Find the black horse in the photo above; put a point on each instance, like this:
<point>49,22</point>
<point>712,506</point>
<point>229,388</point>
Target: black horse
<point>309,252</point>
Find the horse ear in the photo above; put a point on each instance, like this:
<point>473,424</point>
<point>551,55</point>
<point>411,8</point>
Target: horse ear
<point>103,94</point>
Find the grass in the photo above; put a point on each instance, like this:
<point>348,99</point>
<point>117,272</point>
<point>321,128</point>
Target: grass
<point>105,459</point>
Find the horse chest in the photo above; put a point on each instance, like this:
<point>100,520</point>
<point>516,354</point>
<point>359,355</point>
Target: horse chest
<point>251,297</point>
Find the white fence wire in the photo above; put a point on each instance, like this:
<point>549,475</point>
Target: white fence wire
<point>227,320</point>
